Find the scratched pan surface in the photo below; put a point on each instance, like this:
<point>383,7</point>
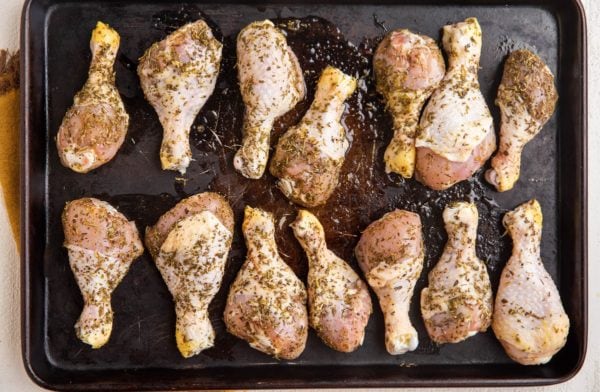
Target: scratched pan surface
<point>141,353</point>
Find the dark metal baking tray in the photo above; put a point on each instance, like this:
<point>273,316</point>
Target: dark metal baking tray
<point>141,353</point>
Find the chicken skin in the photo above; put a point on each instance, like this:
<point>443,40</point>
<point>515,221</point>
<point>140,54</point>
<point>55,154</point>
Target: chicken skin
<point>309,156</point>
<point>271,83</point>
<point>178,75</point>
<point>190,244</point>
<point>102,244</point>
<point>339,303</point>
<point>266,305</point>
<point>408,67</point>
<point>526,98</point>
<point>456,134</point>
<point>207,201</point>
<point>529,318</point>
<point>94,128</point>
<point>390,253</point>
<point>458,301</point>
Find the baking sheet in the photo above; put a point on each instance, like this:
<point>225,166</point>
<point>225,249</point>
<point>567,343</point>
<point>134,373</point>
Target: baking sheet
<point>142,352</point>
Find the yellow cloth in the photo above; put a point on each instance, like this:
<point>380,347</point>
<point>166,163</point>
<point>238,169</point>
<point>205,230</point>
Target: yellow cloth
<point>10,157</point>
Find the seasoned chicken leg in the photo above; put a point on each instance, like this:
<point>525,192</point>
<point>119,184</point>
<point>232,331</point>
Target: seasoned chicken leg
<point>456,129</point>
<point>266,305</point>
<point>189,244</point>
<point>408,67</point>
<point>94,128</point>
<point>178,75</point>
<point>339,303</point>
<point>458,302</point>
<point>529,318</point>
<point>101,244</point>
<point>309,156</point>
<point>390,253</point>
<point>271,83</point>
<point>526,98</point>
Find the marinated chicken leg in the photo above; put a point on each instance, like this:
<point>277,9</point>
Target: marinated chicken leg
<point>94,128</point>
<point>458,302</point>
<point>178,75</point>
<point>189,244</point>
<point>339,303</point>
<point>456,129</point>
<point>390,253</point>
<point>309,156</point>
<point>529,318</point>
<point>271,83</point>
<point>408,67</point>
<point>526,98</point>
<point>101,244</point>
<point>266,305</point>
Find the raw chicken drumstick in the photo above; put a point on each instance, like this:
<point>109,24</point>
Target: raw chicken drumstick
<point>309,156</point>
<point>189,244</point>
<point>408,67</point>
<point>458,302</point>
<point>390,253</point>
<point>178,75</point>
<point>266,305</point>
<point>94,128</point>
<point>456,134</point>
<point>271,84</point>
<point>339,303</point>
<point>101,244</point>
<point>529,318</point>
<point>526,98</point>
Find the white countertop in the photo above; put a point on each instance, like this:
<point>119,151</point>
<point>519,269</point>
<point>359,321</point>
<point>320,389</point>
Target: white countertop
<point>12,373</point>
